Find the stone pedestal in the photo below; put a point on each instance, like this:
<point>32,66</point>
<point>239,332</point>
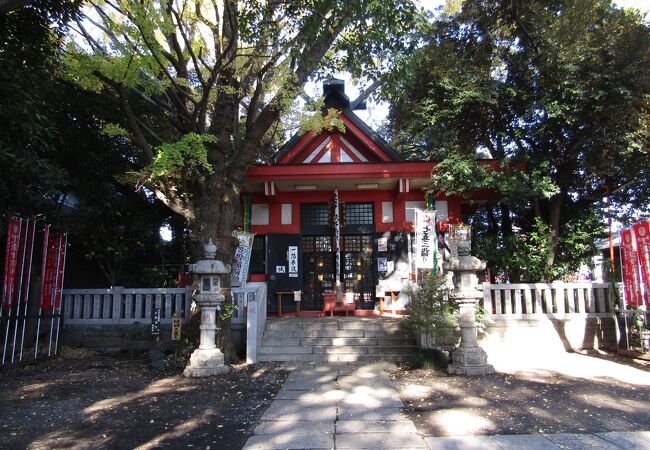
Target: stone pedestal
<point>207,360</point>
<point>468,358</point>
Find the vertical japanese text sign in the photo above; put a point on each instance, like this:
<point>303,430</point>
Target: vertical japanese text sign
<point>425,239</point>
<point>242,257</point>
<point>642,234</point>
<point>292,255</point>
<point>630,268</point>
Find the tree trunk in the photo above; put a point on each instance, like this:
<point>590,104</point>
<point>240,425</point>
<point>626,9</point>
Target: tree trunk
<point>506,221</point>
<point>554,213</point>
<point>217,214</point>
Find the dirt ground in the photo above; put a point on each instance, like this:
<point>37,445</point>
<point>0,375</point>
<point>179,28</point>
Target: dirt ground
<point>568,393</point>
<point>90,400</point>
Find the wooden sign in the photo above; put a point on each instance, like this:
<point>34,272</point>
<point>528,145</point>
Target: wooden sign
<point>176,329</point>
<point>155,322</point>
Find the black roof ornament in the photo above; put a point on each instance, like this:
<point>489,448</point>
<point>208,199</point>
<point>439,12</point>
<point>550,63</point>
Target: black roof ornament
<point>334,93</point>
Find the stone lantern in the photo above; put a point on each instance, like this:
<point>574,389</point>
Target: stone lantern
<point>207,360</point>
<point>468,358</point>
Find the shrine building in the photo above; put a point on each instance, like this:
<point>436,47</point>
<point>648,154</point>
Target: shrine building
<point>292,215</point>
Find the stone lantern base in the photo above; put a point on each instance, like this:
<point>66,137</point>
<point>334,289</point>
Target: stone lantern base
<point>205,363</point>
<point>470,361</point>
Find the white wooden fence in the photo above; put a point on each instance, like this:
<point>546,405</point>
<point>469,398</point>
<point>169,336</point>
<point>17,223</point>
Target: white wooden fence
<point>554,300</point>
<point>127,306</point>
<point>124,306</point>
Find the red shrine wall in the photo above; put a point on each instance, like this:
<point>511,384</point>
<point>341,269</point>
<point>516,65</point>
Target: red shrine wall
<point>377,197</point>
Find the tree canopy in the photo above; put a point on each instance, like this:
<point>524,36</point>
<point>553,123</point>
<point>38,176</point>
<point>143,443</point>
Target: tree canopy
<point>57,162</point>
<point>560,88</point>
<point>222,74</point>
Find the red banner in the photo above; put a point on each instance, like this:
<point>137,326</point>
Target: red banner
<point>27,266</point>
<point>47,269</point>
<point>642,235</point>
<point>630,269</point>
<point>11,262</point>
<point>60,268</point>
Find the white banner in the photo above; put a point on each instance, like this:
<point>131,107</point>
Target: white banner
<point>337,238</point>
<point>425,239</point>
<point>292,256</point>
<point>242,258</point>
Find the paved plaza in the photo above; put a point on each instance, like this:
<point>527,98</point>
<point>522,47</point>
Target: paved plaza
<point>336,406</point>
<point>348,406</point>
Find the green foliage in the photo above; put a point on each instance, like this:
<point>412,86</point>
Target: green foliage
<point>556,92</point>
<point>113,129</point>
<point>187,157</point>
<point>522,257</point>
<point>430,311</point>
<point>318,122</point>
<point>29,168</point>
<point>460,174</point>
<point>227,311</point>
<point>431,359</point>
<point>217,80</point>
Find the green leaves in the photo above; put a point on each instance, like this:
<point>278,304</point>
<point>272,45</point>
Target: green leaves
<point>317,122</point>
<point>460,174</point>
<point>555,92</point>
<point>187,157</point>
<point>430,310</point>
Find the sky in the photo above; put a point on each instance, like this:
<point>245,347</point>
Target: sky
<point>376,113</point>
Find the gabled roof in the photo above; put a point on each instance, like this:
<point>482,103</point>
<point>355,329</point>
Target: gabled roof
<point>358,144</point>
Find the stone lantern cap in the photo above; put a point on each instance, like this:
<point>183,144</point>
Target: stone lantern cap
<point>209,265</point>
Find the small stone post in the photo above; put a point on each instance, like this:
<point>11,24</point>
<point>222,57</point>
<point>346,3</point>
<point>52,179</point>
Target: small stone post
<point>468,358</point>
<point>207,360</point>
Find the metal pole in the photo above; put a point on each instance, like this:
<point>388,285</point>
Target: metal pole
<point>60,308</point>
<point>620,257</point>
<point>29,279</point>
<point>46,245</point>
<point>53,296</point>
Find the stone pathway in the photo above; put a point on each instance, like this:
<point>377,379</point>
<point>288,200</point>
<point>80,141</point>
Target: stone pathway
<point>336,406</point>
<point>340,406</point>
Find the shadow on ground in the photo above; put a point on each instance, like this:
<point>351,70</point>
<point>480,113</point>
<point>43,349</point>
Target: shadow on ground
<point>594,394</point>
<point>102,401</point>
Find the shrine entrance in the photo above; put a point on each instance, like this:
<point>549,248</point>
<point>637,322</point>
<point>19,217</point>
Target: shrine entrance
<point>356,252</point>
<point>319,270</point>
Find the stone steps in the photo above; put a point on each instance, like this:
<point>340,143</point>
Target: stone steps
<point>336,339</point>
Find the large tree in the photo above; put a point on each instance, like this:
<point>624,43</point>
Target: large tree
<point>222,73</point>
<point>559,86</point>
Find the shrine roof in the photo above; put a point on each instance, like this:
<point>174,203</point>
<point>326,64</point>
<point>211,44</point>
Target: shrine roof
<point>357,144</point>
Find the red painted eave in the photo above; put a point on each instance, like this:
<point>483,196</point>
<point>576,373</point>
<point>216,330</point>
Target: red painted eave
<point>395,169</point>
<point>341,171</point>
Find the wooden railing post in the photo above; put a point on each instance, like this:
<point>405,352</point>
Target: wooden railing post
<point>116,294</point>
<point>188,304</point>
<point>487,298</point>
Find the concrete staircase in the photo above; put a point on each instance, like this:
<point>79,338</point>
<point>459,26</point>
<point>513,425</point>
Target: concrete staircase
<point>336,339</point>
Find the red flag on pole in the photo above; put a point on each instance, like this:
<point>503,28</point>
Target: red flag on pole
<point>642,235</point>
<point>630,268</point>
<point>27,264</point>
<point>47,269</point>
<point>11,261</point>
